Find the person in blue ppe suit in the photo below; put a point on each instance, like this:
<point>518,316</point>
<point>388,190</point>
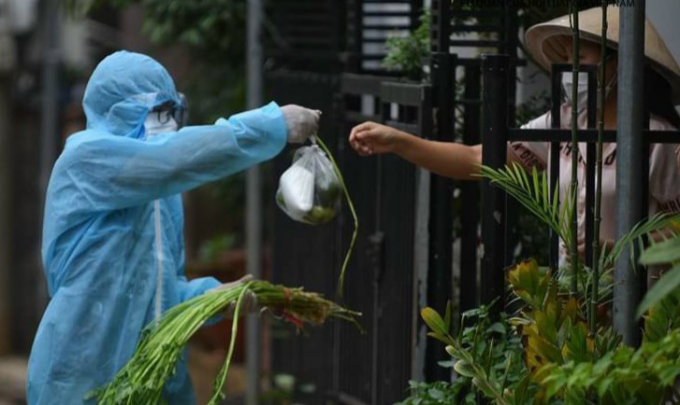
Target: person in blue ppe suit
<point>113,249</point>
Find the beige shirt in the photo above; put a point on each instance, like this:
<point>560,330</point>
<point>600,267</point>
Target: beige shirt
<point>664,172</point>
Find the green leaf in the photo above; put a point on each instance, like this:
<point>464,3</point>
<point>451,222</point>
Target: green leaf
<point>603,387</point>
<point>643,229</point>
<point>439,337</point>
<point>464,369</point>
<point>528,192</point>
<point>436,394</point>
<point>666,285</point>
<point>668,373</point>
<point>434,321</point>
<point>447,316</point>
<point>663,252</point>
<point>497,328</point>
<point>452,351</point>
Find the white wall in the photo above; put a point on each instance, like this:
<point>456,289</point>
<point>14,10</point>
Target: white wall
<point>664,15</point>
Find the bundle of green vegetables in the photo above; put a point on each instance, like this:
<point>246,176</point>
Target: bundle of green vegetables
<point>161,345</point>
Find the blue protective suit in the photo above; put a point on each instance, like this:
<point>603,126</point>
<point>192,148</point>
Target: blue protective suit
<point>113,224</point>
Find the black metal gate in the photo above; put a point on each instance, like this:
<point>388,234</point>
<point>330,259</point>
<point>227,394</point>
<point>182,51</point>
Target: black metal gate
<point>402,260</point>
<point>340,362</point>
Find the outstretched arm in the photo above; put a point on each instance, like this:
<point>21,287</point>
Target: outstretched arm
<point>110,172</point>
<point>449,159</point>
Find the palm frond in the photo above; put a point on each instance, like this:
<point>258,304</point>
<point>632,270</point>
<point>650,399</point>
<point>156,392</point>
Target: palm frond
<point>664,252</point>
<point>637,237</point>
<point>668,284</point>
<point>534,194</point>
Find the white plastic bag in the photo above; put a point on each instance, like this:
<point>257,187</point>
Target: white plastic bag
<point>309,191</point>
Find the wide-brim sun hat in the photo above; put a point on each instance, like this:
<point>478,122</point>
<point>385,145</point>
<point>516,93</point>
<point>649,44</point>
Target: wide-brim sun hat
<point>547,42</point>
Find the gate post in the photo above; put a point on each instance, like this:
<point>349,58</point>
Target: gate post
<point>470,195</point>
<point>494,154</point>
<point>629,168</point>
<point>439,279</point>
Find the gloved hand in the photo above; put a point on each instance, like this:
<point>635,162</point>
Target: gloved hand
<point>301,122</point>
<point>249,303</point>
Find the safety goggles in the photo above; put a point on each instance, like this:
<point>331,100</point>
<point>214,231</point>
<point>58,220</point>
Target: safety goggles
<point>170,109</point>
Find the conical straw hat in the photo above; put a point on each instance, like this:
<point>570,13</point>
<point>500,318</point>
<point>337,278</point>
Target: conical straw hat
<point>547,42</point>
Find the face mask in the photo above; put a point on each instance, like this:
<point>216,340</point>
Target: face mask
<point>582,90</point>
<point>158,122</point>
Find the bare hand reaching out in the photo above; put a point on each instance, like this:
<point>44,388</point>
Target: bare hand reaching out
<point>371,138</point>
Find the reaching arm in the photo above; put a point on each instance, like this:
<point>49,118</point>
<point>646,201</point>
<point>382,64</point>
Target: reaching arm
<point>449,159</point>
<point>104,172</point>
<point>454,160</point>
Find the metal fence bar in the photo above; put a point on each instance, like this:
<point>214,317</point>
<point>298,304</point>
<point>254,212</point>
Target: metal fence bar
<point>554,163</point>
<point>395,361</point>
<point>629,165</point>
<point>421,243</point>
<point>440,34</point>
<point>404,94</point>
<point>376,252</point>
<point>589,210</point>
<point>470,197</point>
<point>440,287</point>
<point>644,209</point>
<point>585,135</point>
<point>355,35</point>
<point>494,154</point>
<point>509,47</point>
<point>356,370</point>
<point>591,156</point>
<point>439,278</point>
<point>554,180</point>
<point>356,84</point>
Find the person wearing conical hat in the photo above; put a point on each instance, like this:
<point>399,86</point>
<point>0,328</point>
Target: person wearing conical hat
<point>551,42</point>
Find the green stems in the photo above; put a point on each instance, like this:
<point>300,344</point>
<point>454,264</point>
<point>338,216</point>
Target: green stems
<point>222,376</point>
<point>341,281</point>
<point>161,346</point>
<point>574,150</point>
<point>598,193</point>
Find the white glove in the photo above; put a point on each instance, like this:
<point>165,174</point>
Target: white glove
<point>248,304</point>
<point>301,122</point>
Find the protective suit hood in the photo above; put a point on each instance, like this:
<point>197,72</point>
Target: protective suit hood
<point>122,90</point>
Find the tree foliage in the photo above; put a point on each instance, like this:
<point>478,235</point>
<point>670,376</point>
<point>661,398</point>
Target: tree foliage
<point>212,31</point>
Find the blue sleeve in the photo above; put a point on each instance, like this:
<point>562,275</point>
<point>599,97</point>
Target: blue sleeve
<point>198,286</point>
<point>112,172</point>
<point>188,289</point>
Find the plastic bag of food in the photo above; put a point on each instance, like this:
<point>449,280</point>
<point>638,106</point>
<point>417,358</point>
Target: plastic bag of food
<point>309,191</point>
